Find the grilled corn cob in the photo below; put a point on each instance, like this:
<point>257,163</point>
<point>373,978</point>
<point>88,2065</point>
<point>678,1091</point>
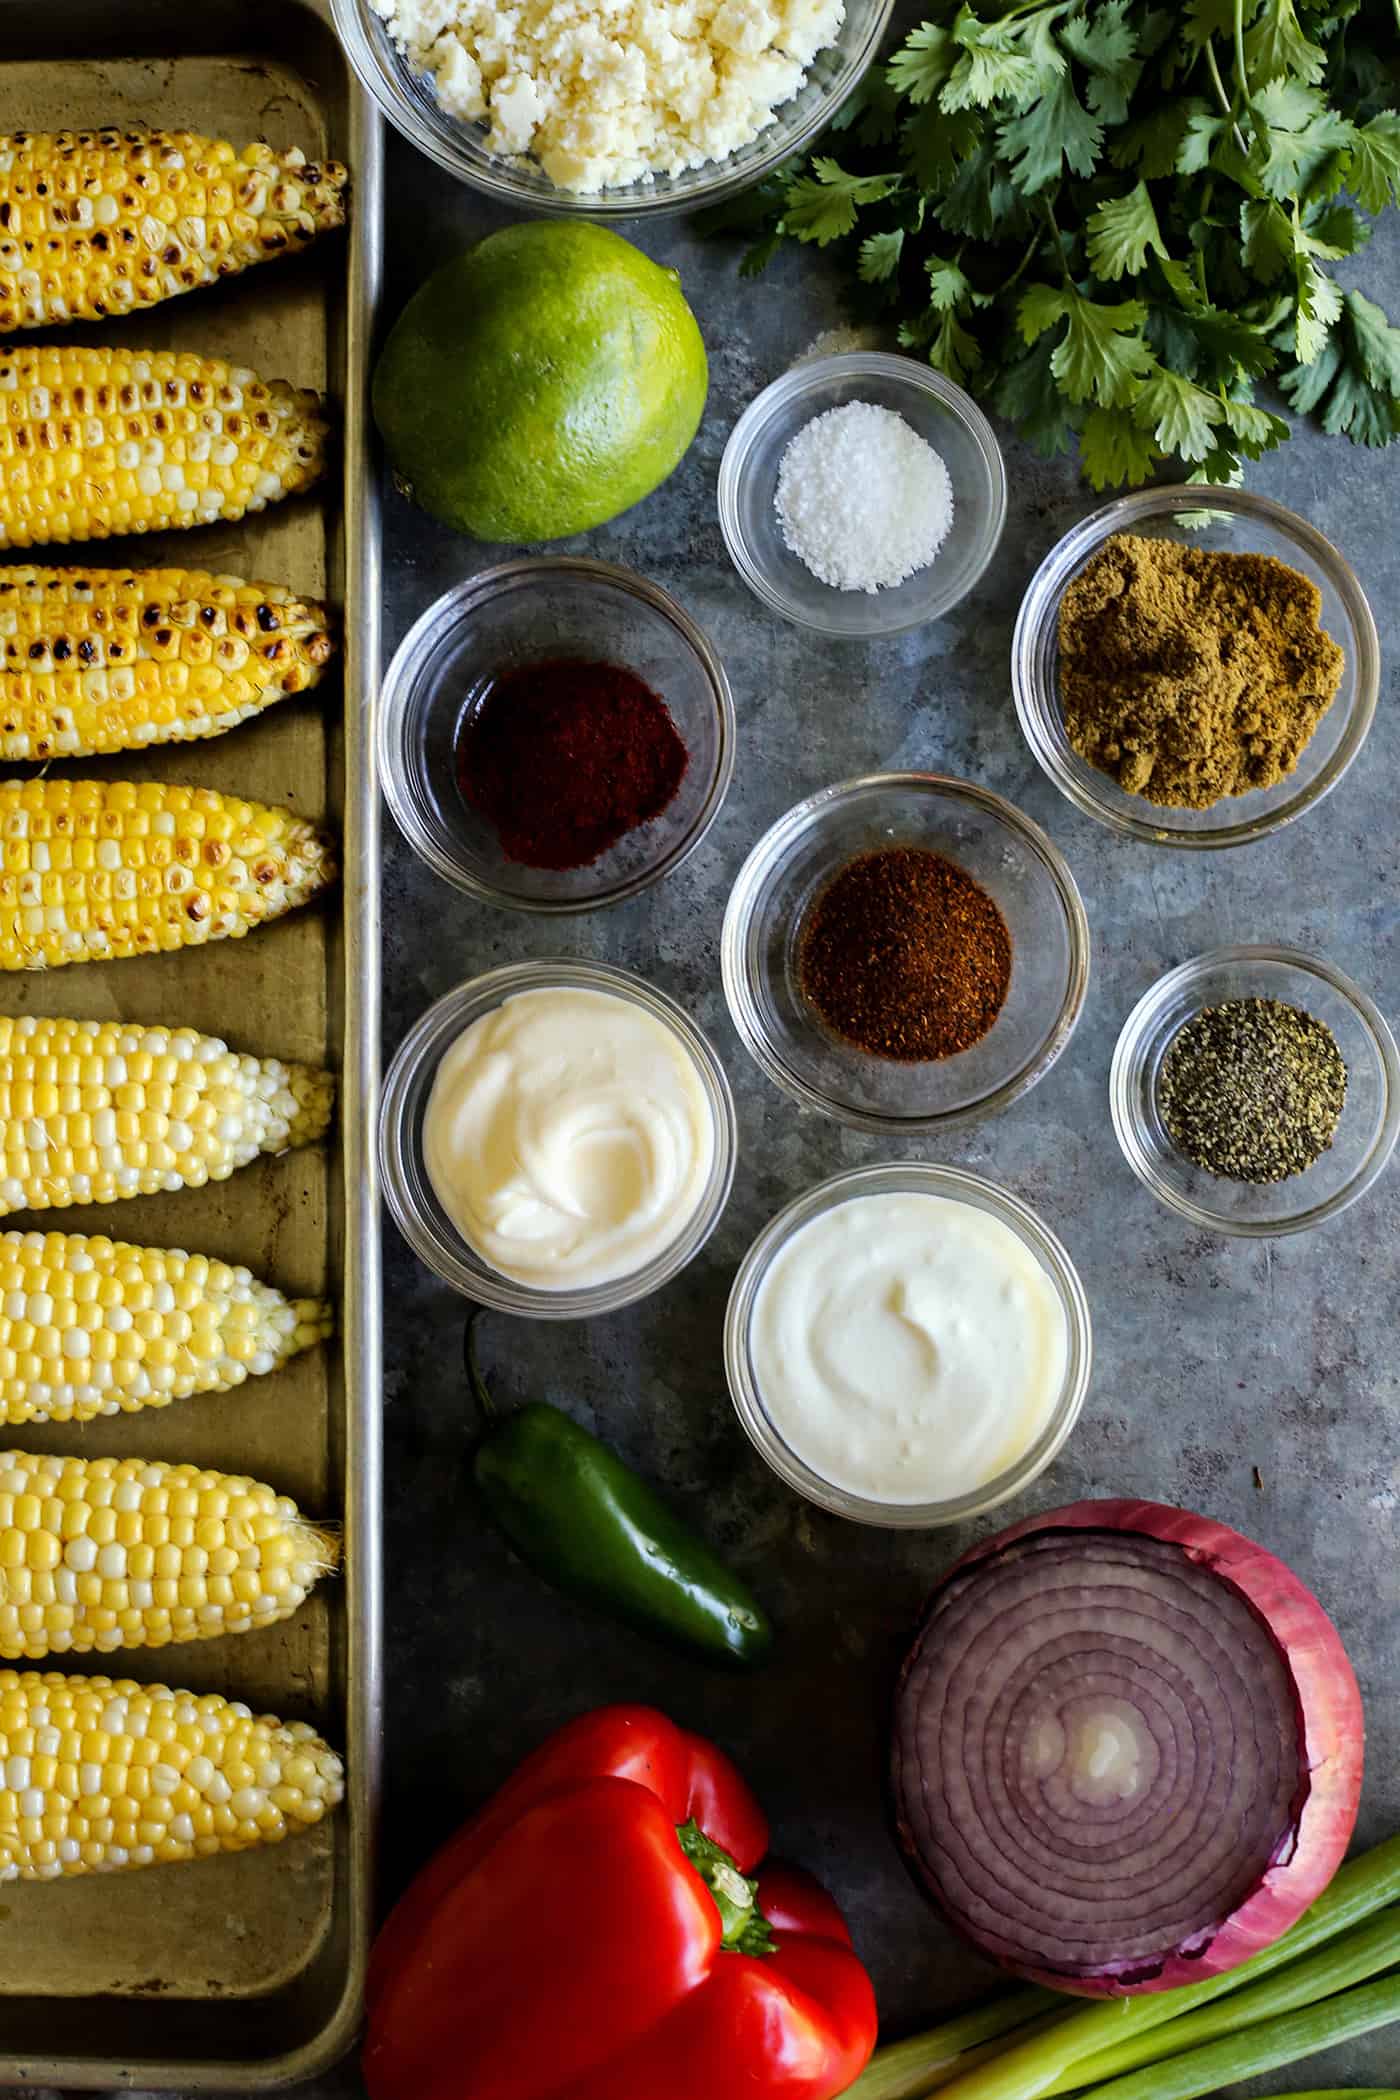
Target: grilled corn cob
<point>92,870</point>
<point>91,1111</point>
<point>105,1553</point>
<point>100,1775</point>
<point>95,660</point>
<point>95,442</point>
<point>97,1327</point>
<point>99,222</point>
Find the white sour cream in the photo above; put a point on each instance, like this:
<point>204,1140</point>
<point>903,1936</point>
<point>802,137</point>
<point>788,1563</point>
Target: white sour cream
<point>908,1347</point>
<point>569,1137</point>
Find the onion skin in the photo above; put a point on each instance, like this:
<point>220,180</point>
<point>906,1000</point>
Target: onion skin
<point>1331,1734</point>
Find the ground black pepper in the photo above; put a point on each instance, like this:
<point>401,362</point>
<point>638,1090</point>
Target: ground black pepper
<point>905,955</point>
<point>1253,1089</point>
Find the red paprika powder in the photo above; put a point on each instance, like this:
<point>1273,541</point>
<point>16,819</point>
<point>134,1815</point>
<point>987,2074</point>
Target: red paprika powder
<point>565,757</point>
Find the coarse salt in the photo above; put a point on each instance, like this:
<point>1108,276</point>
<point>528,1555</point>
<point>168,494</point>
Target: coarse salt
<point>862,499</point>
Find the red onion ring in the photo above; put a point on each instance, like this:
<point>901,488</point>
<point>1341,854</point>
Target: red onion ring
<point>1127,1748</point>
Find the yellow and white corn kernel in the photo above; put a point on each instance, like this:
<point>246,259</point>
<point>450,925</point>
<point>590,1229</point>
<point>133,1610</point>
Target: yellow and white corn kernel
<point>97,660</point>
<point>95,442</point>
<point>101,1775</point>
<point>92,1326</point>
<point>93,870</point>
<point>106,1553</point>
<point>92,1111</point>
<point>101,222</point>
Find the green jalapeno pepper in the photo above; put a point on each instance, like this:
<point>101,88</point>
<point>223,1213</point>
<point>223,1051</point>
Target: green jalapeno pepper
<point>592,1528</point>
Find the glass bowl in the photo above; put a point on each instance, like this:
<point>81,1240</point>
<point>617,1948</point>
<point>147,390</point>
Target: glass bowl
<point>940,412</point>
<point>411,106</point>
<point>1224,520</point>
<point>528,611</point>
<point>409,1194</point>
<point>918,1178</point>
<point>1002,850</point>
<point>1369,1122</point>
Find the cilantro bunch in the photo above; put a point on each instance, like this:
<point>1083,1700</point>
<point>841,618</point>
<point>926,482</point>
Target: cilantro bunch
<point>1114,221</point>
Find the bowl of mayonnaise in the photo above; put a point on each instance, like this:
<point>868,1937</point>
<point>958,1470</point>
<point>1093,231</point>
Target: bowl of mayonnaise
<point>908,1345</point>
<point>557,1138</point>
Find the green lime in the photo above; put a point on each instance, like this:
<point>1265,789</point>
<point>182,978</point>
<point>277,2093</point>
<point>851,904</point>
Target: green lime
<point>541,383</point>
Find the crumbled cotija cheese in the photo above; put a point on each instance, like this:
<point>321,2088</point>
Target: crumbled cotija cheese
<point>605,92</point>
<point>862,499</point>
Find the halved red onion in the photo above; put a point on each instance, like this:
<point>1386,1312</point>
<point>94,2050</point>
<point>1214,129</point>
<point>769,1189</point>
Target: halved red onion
<point>1127,1748</point>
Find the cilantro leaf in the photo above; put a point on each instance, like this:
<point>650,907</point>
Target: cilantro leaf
<point>948,288</point>
<point>1026,393</point>
<point>1255,430</point>
<point>1151,143</point>
<point>1121,233</point>
<point>1300,144</point>
<point>1305,385</point>
<point>824,209</point>
<point>922,63</point>
<point>1319,304</point>
<point>1113,449</point>
<point>1267,234</point>
<point>1204,130</point>
<point>1377,343</point>
<point>1106,45</point>
<point>1228,344</point>
<point>981,201</point>
<point>954,351</point>
<point>1180,414</point>
<point>1276,44</point>
<point>1208,18</point>
<point>1055,130</point>
<point>1102,354</point>
<point>879,255</point>
<point>997,64</point>
<point>1373,172</point>
<point>935,144</point>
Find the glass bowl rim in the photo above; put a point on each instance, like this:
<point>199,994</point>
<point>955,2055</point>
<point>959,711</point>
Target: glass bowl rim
<point>907,1176</point>
<point>413,656</point>
<point>1125,1074</point>
<point>808,375</point>
<point>424,1044</point>
<point>1037,711</point>
<point>715,180</point>
<point>738,918</point>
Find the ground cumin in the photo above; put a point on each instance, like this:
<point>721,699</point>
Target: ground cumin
<point>1190,675</point>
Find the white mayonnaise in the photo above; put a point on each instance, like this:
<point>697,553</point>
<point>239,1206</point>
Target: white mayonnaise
<point>569,1137</point>
<point>908,1347</point>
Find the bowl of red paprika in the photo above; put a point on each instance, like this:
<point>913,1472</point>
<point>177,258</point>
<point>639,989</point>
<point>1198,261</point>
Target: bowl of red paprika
<point>555,735</point>
<point>905,952</point>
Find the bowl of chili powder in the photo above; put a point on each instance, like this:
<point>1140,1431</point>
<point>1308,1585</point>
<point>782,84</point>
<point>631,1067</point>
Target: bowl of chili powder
<point>555,735</point>
<point>905,952</point>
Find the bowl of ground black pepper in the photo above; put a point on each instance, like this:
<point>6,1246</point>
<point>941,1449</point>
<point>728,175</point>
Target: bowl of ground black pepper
<point>555,735</point>
<point>1195,667</point>
<point>1256,1091</point>
<point>905,952</point>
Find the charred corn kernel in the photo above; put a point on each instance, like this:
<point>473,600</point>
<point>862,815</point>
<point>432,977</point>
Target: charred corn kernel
<point>91,1326</point>
<point>92,870</point>
<point>95,442</point>
<point>95,660</point>
<point>85,1530</point>
<point>101,222</point>
<point>138,1774</point>
<point>91,1111</point>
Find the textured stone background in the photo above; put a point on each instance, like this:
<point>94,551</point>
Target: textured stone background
<point>1214,1358</point>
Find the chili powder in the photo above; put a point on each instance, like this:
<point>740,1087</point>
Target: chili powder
<point>565,757</point>
<point>905,955</point>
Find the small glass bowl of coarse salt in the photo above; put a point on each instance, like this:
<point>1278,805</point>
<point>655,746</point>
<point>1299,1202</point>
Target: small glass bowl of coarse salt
<point>862,495</point>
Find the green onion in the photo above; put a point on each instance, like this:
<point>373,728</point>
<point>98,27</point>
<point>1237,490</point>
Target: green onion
<point>1350,1959</point>
<point>1267,2047</point>
<point>1032,2068</point>
<point>908,2070</point>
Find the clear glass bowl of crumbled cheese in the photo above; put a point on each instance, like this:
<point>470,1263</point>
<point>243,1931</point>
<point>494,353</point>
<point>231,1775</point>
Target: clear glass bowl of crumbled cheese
<point>862,494</point>
<point>611,109</point>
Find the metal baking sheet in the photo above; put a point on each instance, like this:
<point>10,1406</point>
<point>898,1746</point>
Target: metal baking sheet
<point>247,1971</point>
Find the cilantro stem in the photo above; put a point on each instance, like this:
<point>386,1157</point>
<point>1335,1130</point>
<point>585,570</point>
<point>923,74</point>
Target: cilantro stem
<point>1227,107</point>
<point>1059,243</point>
<point>1241,69</point>
<point>1032,248</point>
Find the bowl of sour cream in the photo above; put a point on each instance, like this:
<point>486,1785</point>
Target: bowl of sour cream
<point>557,1138</point>
<point>908,1345</point>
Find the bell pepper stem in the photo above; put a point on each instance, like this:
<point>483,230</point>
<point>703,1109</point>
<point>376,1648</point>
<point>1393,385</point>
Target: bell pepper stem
<point>746,1930</point>
<point>486,1406</point>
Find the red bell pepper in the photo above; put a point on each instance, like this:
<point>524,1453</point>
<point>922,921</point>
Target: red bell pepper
<point>595,1934</point>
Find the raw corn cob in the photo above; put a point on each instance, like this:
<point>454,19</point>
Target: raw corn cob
<point>99,222</point>
<point>95,660</point>
<point>95,442</point>
<point>93,870</point>
<point>91,1326</point>
<point>91,1111</point>
<point>100,1775</point>
<point>104,1553</point>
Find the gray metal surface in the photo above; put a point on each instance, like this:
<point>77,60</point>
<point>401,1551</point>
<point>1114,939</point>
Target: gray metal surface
<point>247,1972</point>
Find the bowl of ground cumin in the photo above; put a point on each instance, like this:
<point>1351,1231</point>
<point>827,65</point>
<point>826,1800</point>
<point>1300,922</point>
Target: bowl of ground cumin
<point>905,952</point>
<point>1195,667</point>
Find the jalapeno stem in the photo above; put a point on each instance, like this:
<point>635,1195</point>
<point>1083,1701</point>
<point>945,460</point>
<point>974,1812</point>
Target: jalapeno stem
<point>486,1406</point>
